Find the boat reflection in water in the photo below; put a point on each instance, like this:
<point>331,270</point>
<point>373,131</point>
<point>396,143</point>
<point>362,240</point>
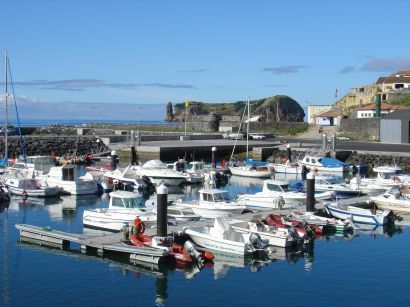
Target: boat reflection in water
<point>223,261</point>
<point>246,181</point>
<point>62,208</point>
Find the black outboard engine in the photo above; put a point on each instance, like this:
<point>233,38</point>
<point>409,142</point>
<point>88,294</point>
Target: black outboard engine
<point>256,241</point>
<point>148,182</point>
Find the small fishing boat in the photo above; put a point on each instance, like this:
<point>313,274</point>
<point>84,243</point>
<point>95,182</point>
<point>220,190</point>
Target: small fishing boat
<point>276,194</point>
<point>317,161</point>
<point>67,179</point>
<point>281,222</point>
<point>222,237</point>
<point>212,203</point>
<point>327,224</point>
<point>397,200</point>
<point>123,208</point>
<point>281,237</point>
<point>29,187</point>
<point>359,215</point>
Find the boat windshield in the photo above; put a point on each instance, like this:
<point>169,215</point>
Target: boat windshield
<point>399,172</point>
<point>221,196</point>
<point>128,203</point>
<point>277,187</point>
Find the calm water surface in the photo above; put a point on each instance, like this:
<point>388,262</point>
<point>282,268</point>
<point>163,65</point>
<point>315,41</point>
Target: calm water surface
<point>369,268</point>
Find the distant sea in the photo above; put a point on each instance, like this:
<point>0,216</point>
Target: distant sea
<point>78,122</point>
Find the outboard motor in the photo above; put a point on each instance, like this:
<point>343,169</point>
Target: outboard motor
<point>189,246</point>
<point>256,241</point>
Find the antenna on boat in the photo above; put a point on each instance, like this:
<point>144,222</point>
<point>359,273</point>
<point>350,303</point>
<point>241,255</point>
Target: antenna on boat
<point>247,131</point>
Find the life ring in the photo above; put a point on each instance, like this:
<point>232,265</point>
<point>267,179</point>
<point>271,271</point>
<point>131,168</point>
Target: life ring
<point>396,180</point>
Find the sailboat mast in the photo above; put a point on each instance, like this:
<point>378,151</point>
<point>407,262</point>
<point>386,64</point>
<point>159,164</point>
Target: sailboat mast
<point>247,132</point>
<point>6,119</point>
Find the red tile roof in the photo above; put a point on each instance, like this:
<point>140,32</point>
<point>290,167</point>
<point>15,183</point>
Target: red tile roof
<point>383,106</point>
<point>330,113</point>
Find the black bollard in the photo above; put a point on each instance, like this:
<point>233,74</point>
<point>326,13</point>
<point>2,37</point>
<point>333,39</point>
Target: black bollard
<point>304,172</point>
<point>214,157</point>
<point>310,192</point>
<point>114,160</point>
<point>162,203</point>
<point>133,156</point>
<point>289,153</point>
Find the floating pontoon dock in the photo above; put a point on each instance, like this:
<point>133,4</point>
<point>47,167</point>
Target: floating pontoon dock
<point>101,242</point>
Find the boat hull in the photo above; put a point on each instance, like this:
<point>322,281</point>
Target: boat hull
<point>357,217</point>
<point>209,242</point>
<point>46,192</point>
<point>244,172</point>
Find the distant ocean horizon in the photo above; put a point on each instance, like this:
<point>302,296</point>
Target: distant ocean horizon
<point>79,122</point>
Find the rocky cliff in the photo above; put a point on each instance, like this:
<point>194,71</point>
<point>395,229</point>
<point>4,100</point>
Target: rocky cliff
<point>275,108</point>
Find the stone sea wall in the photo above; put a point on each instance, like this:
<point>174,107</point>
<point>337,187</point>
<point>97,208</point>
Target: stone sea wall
<point>46,145</point>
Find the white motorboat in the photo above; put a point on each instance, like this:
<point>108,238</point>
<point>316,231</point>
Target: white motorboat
<point>388,176</point>
<point>396,200</point>
<point>367,187</point>
<point>280,237</point>
<point>30,187</point>
<point>195,169</point>
<point>128,177</point>
<point>317,161</point>
<point>67,179</point>
<point>212,203</point>
<point>330,183</point>
<point>359,215</point>
<point>276,194</point>
<point>123,208</point>
<point>158,172</point>
<point>222,237</point>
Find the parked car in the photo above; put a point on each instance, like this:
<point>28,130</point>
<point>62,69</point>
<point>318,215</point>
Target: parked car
<point>257,136</point>
<point>233,136</point>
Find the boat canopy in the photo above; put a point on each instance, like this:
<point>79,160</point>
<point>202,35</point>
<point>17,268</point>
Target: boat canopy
<point>332,162</point>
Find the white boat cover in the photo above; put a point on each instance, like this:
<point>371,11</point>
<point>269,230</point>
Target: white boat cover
<point>223,230</point>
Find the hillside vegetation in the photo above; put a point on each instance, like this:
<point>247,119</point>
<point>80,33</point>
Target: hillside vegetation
<point>284,107</point>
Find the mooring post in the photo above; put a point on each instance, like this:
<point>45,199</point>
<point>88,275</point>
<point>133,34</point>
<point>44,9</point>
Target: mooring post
<point>310,192</point>
<point>114,160</point>
<point>288,153</point>
<point>324,140</point>
<point>333,141</point>
<point>133,155</point>
<point>162,203</point>
<point>214,157</point>
<point>139,137</point>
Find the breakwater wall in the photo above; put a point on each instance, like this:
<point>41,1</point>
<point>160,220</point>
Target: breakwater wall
<point>46,145</point>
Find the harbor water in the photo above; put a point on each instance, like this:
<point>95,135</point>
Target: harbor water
<point>364,268</point>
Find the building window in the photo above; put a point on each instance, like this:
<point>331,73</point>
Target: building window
<point>384,97</point>
<point>399,85</point>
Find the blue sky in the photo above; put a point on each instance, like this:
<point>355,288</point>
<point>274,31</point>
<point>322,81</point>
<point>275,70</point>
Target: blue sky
<point>151,52</point>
